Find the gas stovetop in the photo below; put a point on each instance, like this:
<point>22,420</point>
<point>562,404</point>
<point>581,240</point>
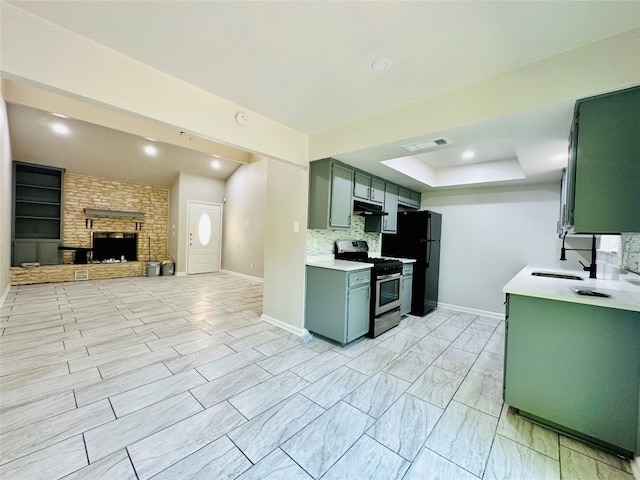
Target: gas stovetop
<point>358,251</point>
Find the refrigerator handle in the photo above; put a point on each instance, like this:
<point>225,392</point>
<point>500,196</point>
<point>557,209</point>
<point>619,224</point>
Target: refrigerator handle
<point>429,243</point>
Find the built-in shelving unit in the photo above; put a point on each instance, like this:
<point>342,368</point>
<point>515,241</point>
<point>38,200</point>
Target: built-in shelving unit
<point>37,213</point>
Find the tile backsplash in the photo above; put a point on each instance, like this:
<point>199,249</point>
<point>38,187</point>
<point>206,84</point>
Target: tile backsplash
<point>631,252</point>
<point>321,242</point>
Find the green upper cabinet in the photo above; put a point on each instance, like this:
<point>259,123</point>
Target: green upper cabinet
<point>390,222</point>
<point>330,195</point>
<point>604,164</point>
<point>408,198</point>
<point>367,188</point>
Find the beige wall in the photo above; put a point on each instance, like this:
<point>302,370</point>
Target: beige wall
<point>5,200</point>
<point>82,192</point>
<point>244,219</point>
<point>490,234</point>
<point>284,249</point>
<point>193,188</point>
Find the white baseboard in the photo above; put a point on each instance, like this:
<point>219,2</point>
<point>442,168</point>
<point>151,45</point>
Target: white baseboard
<point>4,294</point>
<point>301,332</point>
<point>181,274</point>
<point>635,467</point>
<point>242,275</point>
<point>484,313</point>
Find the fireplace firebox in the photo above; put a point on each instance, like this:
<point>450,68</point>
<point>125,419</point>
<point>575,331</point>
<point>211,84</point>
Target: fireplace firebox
<point>115,245</point>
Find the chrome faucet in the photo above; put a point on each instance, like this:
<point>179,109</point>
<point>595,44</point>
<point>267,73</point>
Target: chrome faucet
<point>592,268</point>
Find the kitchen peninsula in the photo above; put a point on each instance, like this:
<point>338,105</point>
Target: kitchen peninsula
<point>572,362</point>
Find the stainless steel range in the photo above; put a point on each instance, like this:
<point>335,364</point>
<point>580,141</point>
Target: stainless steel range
<point>386,284</point>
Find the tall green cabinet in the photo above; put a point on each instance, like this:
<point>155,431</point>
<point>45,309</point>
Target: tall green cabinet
<point>37,214</point>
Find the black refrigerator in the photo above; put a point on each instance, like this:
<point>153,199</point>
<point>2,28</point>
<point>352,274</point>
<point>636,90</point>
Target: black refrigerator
<point>418,237</point>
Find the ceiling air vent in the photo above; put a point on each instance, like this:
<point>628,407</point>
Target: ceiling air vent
<point>436,142</point>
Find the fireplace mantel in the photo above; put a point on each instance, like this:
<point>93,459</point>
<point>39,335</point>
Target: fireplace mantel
<point>112,213</point>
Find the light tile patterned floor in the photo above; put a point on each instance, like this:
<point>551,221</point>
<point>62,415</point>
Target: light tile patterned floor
<point>177,377</point>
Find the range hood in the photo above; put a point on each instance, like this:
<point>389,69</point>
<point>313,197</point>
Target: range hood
<point>365,209</point>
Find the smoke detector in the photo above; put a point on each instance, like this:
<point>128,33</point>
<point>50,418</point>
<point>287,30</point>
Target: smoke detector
<point>436,142</point>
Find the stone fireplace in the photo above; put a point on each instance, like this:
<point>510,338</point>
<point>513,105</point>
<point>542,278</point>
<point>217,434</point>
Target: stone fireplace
<point>108,246</point>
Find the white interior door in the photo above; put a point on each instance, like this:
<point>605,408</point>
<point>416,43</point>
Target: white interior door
<point>203,244</point>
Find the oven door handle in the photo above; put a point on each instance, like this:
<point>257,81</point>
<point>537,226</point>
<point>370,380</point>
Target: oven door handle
<point>389,277</point>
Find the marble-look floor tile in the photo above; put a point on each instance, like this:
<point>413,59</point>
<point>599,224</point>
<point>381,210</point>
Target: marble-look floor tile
<point>230,363</point>
<point>509,459</point>
<point>122,383</point>
<point>482,393</point>
<point>115,466</point>
<point>368,459</point>
<point>156,452</point>
<point>405,426</point>
<point>522,431</point>
<point>464,436</point>
<point>400,342</point>
<point>419,328</point>
<point>120,343</point>
<point>16,354</point>
<point>495,322</point>
<point>409,366</point>
<point>199,358</point>
<point>117,434</point>
<point>219,460</point>
<point>320,444</point>
<point>49,463</point>
<point>455,360</point>
<point>372,361</point>
<point>264,433</point>
<point>469,343</point>
<point>357,347</point>
<point>479,329</point>
<point>249,330</point>
<point>276,466</point>
<point>429,465</point>
<point>333,387</point>
<point>265,395</point>
<point>576,466</point>
<point>44,359</point>
<point>231,384</point>
<point>36,391</point>
<point>36,436</point>
<point>280,362</point>
<point>489,364</point>
<point>446,332</point>
<point>436,386</point>
<point>35,411</point>
<point>599,455</point>
<point>321,365</point>
<point>377,394</point>
<point>430,347</point>
<point>124,365</point>
<point>460,320</point>
<point>495,344</point>
<point>141,397</point>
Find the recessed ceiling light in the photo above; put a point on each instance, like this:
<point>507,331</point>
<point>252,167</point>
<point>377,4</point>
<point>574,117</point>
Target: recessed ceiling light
<point>380,64</point>
<point>468,154</point>
<point>150,150</point>
<point>60,129</point>
<point>215,164</point>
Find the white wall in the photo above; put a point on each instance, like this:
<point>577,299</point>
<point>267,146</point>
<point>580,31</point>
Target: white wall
<point>284,249</point>
<point>197,189</point>
<point>490,234</point>
<point>174,219</point>
<point>244,219</point>
<point>5,201</point>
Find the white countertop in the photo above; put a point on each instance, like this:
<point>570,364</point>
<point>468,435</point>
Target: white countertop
<point>625,292</point>
<point>327,261</point>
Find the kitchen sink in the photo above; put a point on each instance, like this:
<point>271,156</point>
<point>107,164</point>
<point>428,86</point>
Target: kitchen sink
<point>556,275</point>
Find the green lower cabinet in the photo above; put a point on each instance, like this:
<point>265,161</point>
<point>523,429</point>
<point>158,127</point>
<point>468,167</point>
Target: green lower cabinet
<point>407,285</point>
<point>576,368</point>
<point>338,303</point>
